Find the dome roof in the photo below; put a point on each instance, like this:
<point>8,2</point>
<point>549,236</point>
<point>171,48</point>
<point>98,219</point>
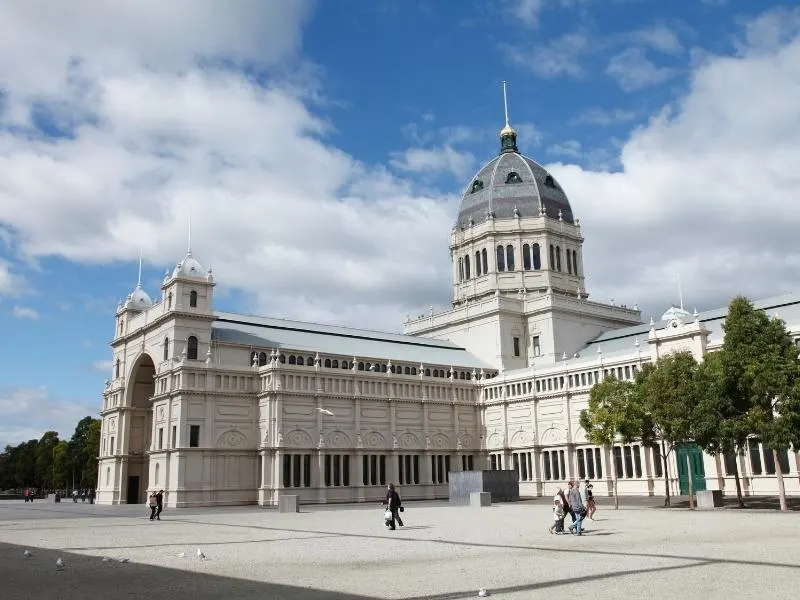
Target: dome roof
<point>674,312</point>
<point>509,185</point>
<point>139,299</point>
<point>188,266</point>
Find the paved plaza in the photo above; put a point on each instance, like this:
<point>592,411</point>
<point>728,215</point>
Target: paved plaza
<point>345,553</point>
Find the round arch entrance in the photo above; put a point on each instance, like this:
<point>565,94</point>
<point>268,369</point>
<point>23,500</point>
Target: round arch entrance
<point>138,427</point>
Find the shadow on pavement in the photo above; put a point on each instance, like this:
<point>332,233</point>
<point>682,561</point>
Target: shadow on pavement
<point>88,578</point>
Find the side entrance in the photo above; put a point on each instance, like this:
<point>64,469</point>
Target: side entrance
<point>695,457</point>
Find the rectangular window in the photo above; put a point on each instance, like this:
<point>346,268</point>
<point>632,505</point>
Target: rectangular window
<point>194,436</point>
<point>598,463</point>
<point>382,470</point>
<point>160,438</point>
<point>590,463</point>
<point>562,464</point>
<point>174,436</point>
<point>581,465</point>
<point>536,346</point>
<point>783,461</point>
<point>296,470</point>
<point>287,470</point>
<point>628,462</point>
<point>730,463</point>
<point>416,469</point>
<point>755,456</point>
<point>618,461</point>
<point>546,465</point>
<point>373,473</point>
<point>306,470</point>
<point>637,461</point>
<point>524,466</point>
<point>111,445</point>
<point>516,346</point>
<point>658,465</point>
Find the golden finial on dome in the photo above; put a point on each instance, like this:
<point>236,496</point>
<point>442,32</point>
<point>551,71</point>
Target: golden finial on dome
<point>508,134</point>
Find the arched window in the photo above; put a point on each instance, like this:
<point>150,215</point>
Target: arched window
<point>466,267</point>
<point>435,372</point>
<point>327,363</point>
<point>558,258</point>
<point>501,258</point>
<point>477,186</point>
<point>427,372</point>
<point>383,368</point>
<point>485,257</point>
<point>158,470</point>
<point>292,360</point>
<point>413,370</point>
<point>513,177</point>
<point>345,364</point>
<point>575,262</point>
<point>510,257</point>
<point>166,348</point>
<point>569,261</point>
<point>335,364</point>
<point>407,371</point>
<point>361,366</point>
<point>552,264</point>
<point>169,301</point>
<point>478,263</point>
<point>193,299</point>
<point>191,348</point>
<point>537,257</point>
<point>300,361</point>
<point>262,359</point>
<point>310,361</point>
<point>108,475</point>
<point>460,269</point>
<point>282,358</point>
<point>526,257</point>
<point>116,370</point>
<point>550,182</point>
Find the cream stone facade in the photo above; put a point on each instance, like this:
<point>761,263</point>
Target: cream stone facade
<point>219,408</point>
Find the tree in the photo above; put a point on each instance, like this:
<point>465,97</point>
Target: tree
<point>721,424</point>
<point>84,449</point>
<point>668,397</point>
<point>44,459</point>
<point>608,416</point>
<point>761,365</point>
<point>24,458</point>
<point>61,465</point>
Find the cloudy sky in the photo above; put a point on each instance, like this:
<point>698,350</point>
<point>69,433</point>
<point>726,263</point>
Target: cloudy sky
<point>321,148</point>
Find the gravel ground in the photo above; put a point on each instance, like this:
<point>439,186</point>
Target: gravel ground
<point>345,553</point>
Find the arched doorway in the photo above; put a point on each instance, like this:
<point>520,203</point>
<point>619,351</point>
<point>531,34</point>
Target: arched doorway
<point>138,427</point>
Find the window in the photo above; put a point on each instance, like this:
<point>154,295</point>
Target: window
<point>510,257</point>
<point>730,463</point>
<point>516,346</point>
<point>637,461</point>
<point>337,470</point>
<point>575,262</point>
<point>569,262</point>
<point>536,257</point>
<point>194,436</point>
<point>467,462</point>
<point>466,267</point>
<point>292,360</point>
<point>440,468</point>
<point>552,264</point>
<point>111,445</point>
<point>477,186</point>
<point>374,469</point>
<point>116,369</point>
<point>526,257</point>
<point>191,348</point>
<point>536,346</point>
<point>160,438</point>
<point>598,463</point>
<point>658,464</point>
<point>327,363</point>
<point>262,359</point>
<point>485,257</point>
<point>558,258</point>
<point>618,461</point>
<point>296,470</point>
<point>166,348</point>
<point>169,301</point>
<point>193,299</point>
<point>174,443</point>
<point>460,269</point>
<point>513,177</point>
<point>408,469</point>
<point>755,456</point>
<point>501,258</point>
<point>478,263</point>
<point>550,182</point>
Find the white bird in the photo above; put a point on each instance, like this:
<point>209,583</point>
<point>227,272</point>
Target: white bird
<point>107,559</point>
<point>124,560</point>
<point>27,554</point>
<point>482,593</point>
<point>59,564</point>
<point>325,411</point>
<point>200,553</point>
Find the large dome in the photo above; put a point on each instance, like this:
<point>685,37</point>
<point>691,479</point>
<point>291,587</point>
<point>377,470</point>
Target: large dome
<point>512,184</point>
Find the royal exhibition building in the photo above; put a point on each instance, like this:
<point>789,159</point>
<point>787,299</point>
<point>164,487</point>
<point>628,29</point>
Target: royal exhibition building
<point>217,408</point>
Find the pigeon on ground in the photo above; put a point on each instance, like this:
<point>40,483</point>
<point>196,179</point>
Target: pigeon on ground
<point>107,559</point>
<point>27,554</point>
<point>124,560</point>
<point>200,554</point>
<point>325,411</point>
<point>482,593</point>
<point>59,564</point>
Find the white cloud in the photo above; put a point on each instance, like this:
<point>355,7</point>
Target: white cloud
<point>527,11</point>
<point>26,413</point>
<point>559,57</point>
<point>706,189</point>
<point>659,37</point>
<point>633,70</point>
<point>104,366</point>
<point>25,312</point>
<point>442,159</point>
<point>11,284</point>
<point>570,148</point>
<point>603,117</point>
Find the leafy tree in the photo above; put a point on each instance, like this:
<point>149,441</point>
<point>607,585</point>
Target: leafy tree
<point>24,459</point>
<point>721,424</point>
<point>84,449</point>
<point>44,459</point>
<point>667,393</point>
<point>61,465</point>
<point>760,362</point>
<point>608,417</point>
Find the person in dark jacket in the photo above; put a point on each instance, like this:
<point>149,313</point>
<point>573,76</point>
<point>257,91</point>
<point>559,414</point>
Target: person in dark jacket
<point>393,503</point>
<point>159,504</point>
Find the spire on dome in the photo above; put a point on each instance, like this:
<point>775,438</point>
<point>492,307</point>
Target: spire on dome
<point>508,135</point>
<point>139,299</point>
<point>139,281</point>
<point>189,244</point>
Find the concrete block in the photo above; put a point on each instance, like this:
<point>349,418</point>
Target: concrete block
<point>289,504</point>
<point>480,499</point>
<point>502,485</point>
<point>709,499</point>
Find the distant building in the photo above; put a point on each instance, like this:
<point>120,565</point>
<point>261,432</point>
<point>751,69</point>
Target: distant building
<point>218,408</point>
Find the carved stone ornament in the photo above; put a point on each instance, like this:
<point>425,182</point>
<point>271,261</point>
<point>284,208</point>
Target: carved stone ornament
<point>359,441</point>
<point>395,443</point>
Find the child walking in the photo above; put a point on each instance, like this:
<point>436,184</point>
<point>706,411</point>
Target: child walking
<point>558,516</point>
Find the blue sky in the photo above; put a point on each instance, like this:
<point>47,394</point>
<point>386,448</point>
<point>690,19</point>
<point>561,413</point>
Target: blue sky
<point>321,149</point>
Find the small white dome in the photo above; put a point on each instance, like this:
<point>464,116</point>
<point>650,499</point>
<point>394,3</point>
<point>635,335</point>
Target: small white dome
<point>189,266</point>
<point>139,299</point>
<point>673,312</point>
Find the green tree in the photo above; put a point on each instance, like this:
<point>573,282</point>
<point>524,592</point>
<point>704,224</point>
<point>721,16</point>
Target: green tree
<point>61,465</point>
<point>44,459</point>
<point>721,424</point>
<point>761,363</point>
<point>667,393</point>
<point>608,417</point>
<point>25,464</point>
<point>84,449</point>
